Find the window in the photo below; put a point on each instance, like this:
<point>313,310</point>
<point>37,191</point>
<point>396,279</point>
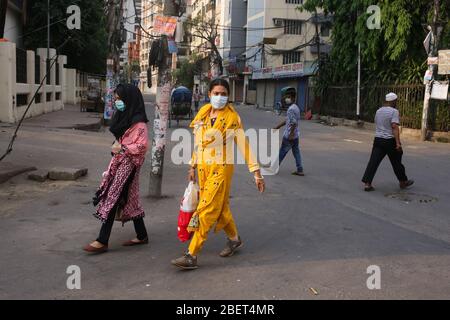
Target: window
<point>295,1</point>
<point>292,57</point>
<point>293,26</point>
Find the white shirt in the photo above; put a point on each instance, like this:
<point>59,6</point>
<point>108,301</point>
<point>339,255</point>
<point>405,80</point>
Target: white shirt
<point>384,118</point>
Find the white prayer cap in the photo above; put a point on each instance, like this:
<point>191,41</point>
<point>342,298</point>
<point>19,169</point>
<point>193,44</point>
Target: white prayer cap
<point>391,97</point>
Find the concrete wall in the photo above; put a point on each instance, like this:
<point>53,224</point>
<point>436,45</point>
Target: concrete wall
<point>10,89</point>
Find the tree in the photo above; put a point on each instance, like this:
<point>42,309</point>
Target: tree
<point>184,75</point>
<point>207,30</point>
<point>87,48</point>
<point>392,54</point>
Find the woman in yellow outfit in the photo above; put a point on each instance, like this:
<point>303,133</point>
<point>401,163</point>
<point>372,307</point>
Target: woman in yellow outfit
<point>216,126</point>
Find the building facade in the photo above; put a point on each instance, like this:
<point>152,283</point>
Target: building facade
<point>150,8</point>
<point>233,45</point>
<point>131,17</point>
<point>209,11</point>
<point>281,50</point>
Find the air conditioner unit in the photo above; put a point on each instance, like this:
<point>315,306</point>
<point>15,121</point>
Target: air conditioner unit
<point>278,22</point>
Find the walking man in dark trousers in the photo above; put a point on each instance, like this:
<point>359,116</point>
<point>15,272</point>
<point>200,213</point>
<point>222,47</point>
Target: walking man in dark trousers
<point>291,134</point>
<point>387,142</point>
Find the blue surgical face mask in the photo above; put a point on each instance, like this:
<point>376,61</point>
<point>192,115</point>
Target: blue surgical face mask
<point>219,102</point>
<point>119,105</point>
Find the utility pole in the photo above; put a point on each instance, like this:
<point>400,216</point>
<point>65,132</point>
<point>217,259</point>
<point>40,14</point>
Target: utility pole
<point>163,91</point>
<point>317,40</point>
<point>48,30</point>
<point>358,94</point>
<point>318,52</point>
<point>431,53</point>
<point>114,16</point>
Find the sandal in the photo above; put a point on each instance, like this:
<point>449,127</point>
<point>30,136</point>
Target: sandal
<point>133,243</point>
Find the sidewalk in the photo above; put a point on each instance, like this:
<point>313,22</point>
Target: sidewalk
<point>70,119</point>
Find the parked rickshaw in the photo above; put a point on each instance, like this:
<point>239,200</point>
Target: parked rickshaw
<point>180,105</point>
<point>281,106</point>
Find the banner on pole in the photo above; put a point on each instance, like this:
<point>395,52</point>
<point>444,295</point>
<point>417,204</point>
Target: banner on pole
<point>440,90</point>
<point>165,25</point>
<point>444,62</point>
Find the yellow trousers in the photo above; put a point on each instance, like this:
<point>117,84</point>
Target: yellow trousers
<point>201,235</point>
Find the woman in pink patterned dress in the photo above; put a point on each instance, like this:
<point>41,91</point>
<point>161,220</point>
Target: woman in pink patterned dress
<point>118,194</point>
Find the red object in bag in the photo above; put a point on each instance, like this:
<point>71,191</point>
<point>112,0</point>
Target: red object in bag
<point>183,222</point>
<point>188,206</point>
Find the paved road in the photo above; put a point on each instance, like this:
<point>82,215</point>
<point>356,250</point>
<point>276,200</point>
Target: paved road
<point>320,231</point>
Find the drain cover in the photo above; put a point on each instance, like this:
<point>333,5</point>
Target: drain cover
<point>411,197</point>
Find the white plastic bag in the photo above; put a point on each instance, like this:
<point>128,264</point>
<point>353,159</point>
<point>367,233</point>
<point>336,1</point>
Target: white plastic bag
<point>190,199</point>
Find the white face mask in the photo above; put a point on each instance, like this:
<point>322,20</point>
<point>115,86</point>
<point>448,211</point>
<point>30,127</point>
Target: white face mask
<point>219,102</point>
<point>288,101</point>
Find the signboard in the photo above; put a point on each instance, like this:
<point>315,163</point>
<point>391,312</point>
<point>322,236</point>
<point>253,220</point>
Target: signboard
<point>440,90</point>
<point>444,62</point>
<point>428,75</point>
<point>165,25</point>
<point>286,71</point>
<point>433,60</point>
<point>427,42</point>
<point>172,46</point>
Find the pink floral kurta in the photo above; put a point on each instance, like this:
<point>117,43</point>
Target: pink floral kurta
<point>135,144</point>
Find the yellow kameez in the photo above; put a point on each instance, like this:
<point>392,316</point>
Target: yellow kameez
<point>214,172</point>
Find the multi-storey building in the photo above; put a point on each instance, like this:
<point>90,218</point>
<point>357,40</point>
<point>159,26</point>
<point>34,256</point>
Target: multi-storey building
<point>209,11</point>
<point>233,44</point>
<point>131,17</point>
<point>150,8</point>
<point>282,49</point>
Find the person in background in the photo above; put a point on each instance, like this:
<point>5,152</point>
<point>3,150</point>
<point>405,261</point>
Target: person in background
<point>197,97</point>
<point>387,142</point>
<point>291,135</point>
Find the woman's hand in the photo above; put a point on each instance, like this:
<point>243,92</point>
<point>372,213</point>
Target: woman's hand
<point>259,181</point>
<point>116,147</point>
<point>191,175</point>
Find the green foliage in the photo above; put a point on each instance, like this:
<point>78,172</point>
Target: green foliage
<point>184,75</point>
<point>87,48</point>
<point>393,54</point>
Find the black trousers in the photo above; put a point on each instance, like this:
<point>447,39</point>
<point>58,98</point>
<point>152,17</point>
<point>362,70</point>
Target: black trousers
<point>381,148</point>
<point>105,230</point>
